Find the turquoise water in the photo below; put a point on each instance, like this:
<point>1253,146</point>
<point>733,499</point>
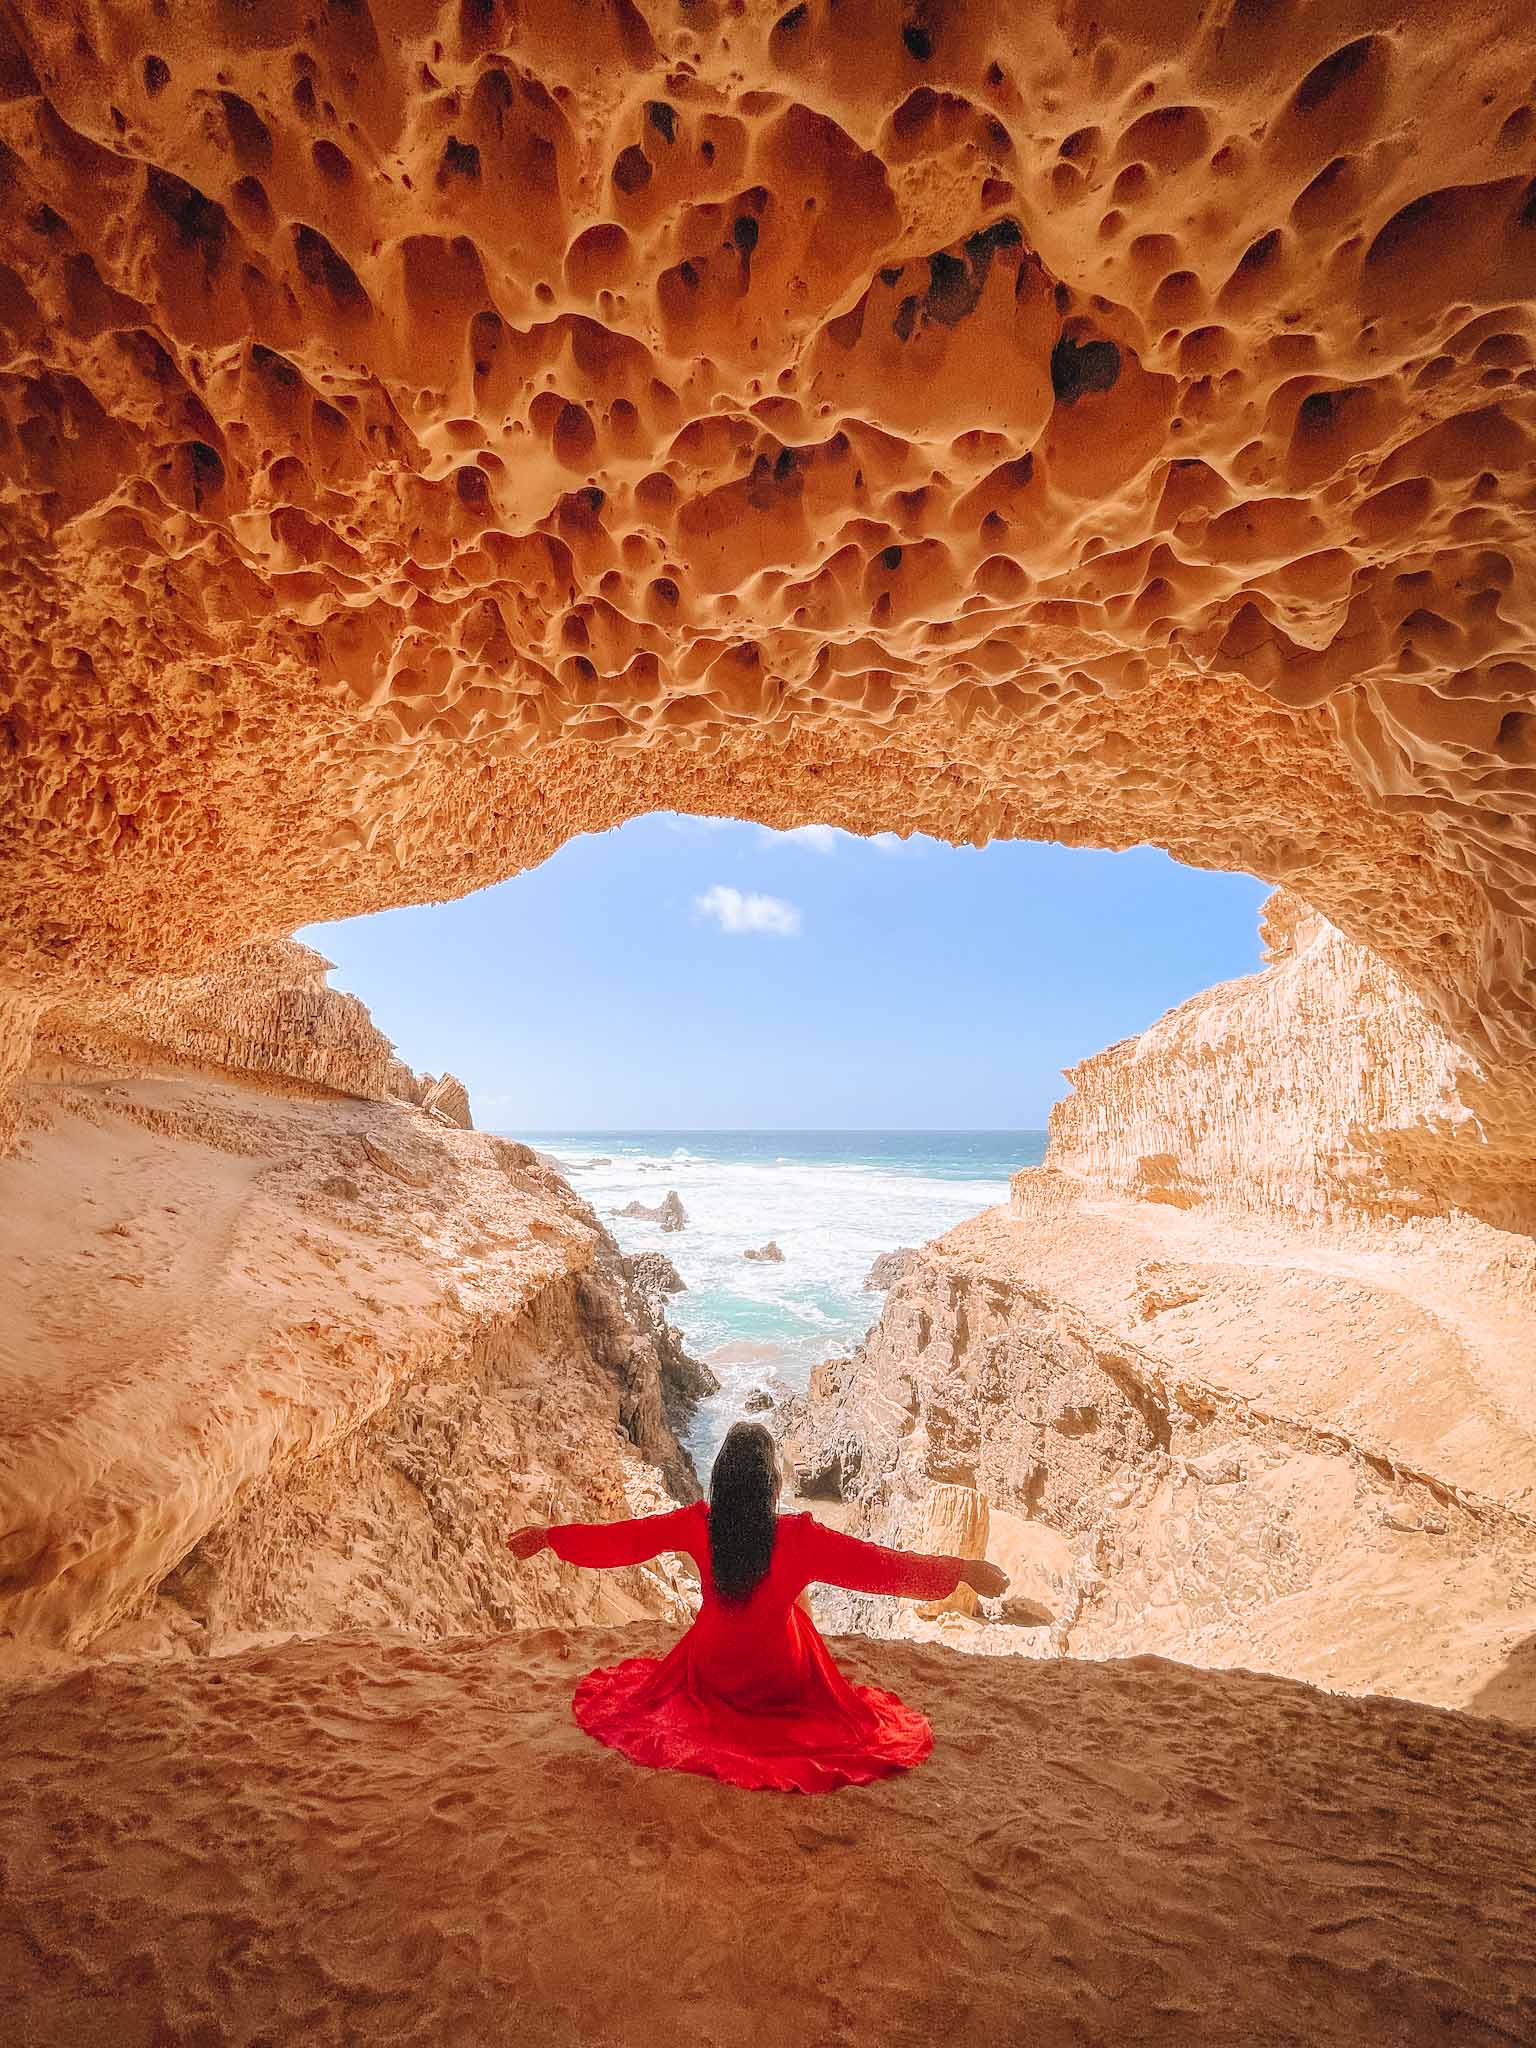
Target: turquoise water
<point>831,1200</point>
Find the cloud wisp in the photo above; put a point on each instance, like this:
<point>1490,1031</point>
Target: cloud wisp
<point>735,912</point>
<point>819,838</point>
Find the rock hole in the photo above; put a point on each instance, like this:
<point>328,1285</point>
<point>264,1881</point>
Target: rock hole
<point>332,164</point>
<point>632,171</point>
<point>460,159</point>
<point>321,266</point>
<point>249,136</point>
<point>1324,79</point>
<point>1078,368</point>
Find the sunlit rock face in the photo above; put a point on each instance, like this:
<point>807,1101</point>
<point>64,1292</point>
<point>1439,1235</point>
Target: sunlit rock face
<point>1322,1087</point>
<point>284,1347</point>
<point>435,430</point>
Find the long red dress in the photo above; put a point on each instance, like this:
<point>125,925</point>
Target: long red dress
<point>750,1693</point>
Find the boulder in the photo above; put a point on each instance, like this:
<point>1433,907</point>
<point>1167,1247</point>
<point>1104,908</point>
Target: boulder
<point>888,1269</point>
<point>769,1252</point>
<point>670,1214</point>
<point>445,1097</point>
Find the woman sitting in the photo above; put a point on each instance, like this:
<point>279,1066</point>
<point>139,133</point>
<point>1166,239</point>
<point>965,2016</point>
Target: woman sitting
<point>750,1694</point>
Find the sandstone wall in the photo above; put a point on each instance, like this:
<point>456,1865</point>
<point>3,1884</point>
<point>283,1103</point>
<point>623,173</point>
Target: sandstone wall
<point>1321,1086</point>
<point>1142,1506</point>
<point>263,1010</point>
<point>434,431</point>
<point>278,1356</point>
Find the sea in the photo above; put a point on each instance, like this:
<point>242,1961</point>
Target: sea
<point>831,1200</point>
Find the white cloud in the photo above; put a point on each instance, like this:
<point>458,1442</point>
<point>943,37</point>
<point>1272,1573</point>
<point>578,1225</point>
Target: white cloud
<point>819,838</point>
<point>734,912</point>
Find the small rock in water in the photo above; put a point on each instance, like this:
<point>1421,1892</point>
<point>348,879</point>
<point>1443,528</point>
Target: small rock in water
<point>768,1251</point>
<point>888,1269</point>
<point>670,1214</point>
<point>757,1401</point>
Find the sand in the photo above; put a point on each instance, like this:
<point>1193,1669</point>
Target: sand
<point>371,1840</point>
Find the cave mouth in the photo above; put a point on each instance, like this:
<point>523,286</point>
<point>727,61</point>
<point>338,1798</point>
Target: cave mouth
<point>831,1048</point>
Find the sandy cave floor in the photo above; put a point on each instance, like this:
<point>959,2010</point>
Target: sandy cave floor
<point>365,1839</point>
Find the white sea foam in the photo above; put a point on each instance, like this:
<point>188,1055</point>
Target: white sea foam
<point>831,1208</point>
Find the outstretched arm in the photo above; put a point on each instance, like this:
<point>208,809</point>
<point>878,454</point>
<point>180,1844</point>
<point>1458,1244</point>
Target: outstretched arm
<point>608,1544</point>
<point>834,1559</point>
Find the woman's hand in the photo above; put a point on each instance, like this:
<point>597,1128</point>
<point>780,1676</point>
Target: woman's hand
<point>528,1542</point>
<point>986,1579</point>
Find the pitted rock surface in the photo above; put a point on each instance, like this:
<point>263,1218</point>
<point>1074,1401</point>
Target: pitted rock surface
<point>433,431</point>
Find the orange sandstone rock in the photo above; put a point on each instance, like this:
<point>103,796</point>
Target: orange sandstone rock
<point>430,431</point>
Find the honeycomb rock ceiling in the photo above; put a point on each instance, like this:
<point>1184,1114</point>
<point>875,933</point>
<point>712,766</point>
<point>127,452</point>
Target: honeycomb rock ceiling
<point>430,431</point>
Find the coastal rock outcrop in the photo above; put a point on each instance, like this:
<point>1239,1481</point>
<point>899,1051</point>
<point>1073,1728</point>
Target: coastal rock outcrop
<point>768,1253</point>
<point>1338,1092</point>
<point>1144,1507</point>
<point>647,1280</point>
<point>889,1270</point>
<point>670,1213</point>
<point>1216,1383</point>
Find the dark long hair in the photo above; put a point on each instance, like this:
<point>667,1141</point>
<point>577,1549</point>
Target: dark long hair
<point>743,1495</point>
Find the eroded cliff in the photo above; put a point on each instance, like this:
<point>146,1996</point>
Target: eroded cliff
<point>1322,1086</point>
<point>281,1358</point>
<point>1235,1377</point>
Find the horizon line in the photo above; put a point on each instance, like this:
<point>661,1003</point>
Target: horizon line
<point>780,1130</point>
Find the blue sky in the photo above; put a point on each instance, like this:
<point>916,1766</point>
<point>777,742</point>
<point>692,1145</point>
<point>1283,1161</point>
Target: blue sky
<point>684,973</point>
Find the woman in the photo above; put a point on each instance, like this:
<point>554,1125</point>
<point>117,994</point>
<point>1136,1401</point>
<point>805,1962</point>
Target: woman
<point>750,1693</point>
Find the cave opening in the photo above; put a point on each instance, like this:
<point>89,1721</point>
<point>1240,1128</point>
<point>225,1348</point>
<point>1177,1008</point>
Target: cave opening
<point>823,1049</point>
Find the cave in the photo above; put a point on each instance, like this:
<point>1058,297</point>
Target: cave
<point>430,432</point>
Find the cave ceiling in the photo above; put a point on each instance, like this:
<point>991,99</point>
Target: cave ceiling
<point>427,432</point>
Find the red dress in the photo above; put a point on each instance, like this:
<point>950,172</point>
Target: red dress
<point>750,1694</point>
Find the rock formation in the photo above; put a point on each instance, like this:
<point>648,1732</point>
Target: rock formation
<point>670,1214</point>
<point>430,438</point>
<point>889,1270</point>
<point>768,1252</point>
<point>1338,1093</point>
<point>1216,1384</point>
<point>1145,1507</point>
<point>648,1278</point>
<point>430,433</point>
<point>284,1351</point>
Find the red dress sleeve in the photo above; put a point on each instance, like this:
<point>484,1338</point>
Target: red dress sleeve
<point>833,1559</point>
<point>605,1544</point>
